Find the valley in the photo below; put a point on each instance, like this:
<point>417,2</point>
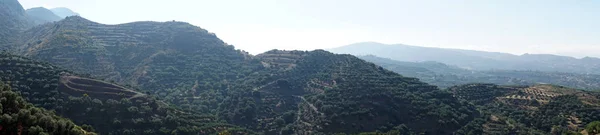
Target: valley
<point>61,73</point>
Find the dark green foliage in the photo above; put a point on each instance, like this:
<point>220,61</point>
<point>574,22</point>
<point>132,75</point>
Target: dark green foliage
<point>191,68</point>
<point>21,117</point>
<point>53,88</point>
<point>340,94</point>
<point>180,63</point>
<point>593,128</point>
<point>205,82</point>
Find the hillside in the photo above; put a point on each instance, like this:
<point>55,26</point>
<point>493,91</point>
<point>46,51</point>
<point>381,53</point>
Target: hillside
<point>41,15</point>
<point>319,92</point>
<point>270,93</point>
<point>89,101</point>
<point>21,117</point>
<point>176,78</point>
<point>176,61</point>
<point>444,76</point>
<point>475,60</point>
<point>63,12</point>
<point>538,109</point>
<point>193,69</point>
<point>13,19</point>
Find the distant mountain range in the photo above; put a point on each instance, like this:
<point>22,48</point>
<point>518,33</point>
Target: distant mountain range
<point>14,20</point>
<point>64,12</point>
<point>211,85</point>
<point>41,15</point>
<point>160,78</point>
<point>475,60</point>
<point>444,76</point>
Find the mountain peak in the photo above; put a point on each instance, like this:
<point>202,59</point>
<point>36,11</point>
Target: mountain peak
<point>64,12</point>
<point>41,15</point>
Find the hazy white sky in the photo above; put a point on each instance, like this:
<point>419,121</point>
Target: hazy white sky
<point>566,27</point>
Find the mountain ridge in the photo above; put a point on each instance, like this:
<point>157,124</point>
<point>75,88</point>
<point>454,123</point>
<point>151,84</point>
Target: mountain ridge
<point>444,75</point>
<point>13,19</point>
<point>330,98</point>
<point>64,12</point>
<point>191,68</point>
<point>177,78</point>
<point>476,60</point>
<point>41,15</point>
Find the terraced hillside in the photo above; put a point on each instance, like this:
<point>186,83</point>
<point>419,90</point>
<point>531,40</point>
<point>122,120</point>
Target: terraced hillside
<point>193,69</point>
<point>90,101</point>
<point>74,85</point>
<point>538,109</point>
<point>21,117</point>
<point>319,92</point>
<point>177,61</point>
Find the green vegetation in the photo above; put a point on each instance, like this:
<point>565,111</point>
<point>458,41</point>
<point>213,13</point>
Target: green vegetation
<point>20,117</point>
<point>593,128</point>
<point>88,102</point>
<point>539,109</point>
<point>178,62</point>
<point>176,78</point>
<point>322,93</point>
<point>275,92</point>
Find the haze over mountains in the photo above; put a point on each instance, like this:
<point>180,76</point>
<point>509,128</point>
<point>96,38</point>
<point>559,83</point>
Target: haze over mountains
<point>176,78</point>
<point>42,15</point>
<point>475,60</point>
<point>444,75</point>
<point>63,12</point>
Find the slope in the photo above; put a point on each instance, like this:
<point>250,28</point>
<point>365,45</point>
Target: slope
<point>477,60</point>
<point>174,60</point>
<point>193,69</point>
<point>12,20</point>
<point>107,107</point>
<point>538,109</point>
<point>196,71</point>
<point>446,76</point>
<point>41,15</point>
<point>322,93</point>
<point>21,117</point>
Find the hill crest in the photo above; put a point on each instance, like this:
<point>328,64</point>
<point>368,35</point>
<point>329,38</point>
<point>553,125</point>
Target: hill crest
<point>64,12</point>
<point>41,15</point>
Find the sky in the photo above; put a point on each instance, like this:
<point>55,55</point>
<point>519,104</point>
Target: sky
<point>563,27</point>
